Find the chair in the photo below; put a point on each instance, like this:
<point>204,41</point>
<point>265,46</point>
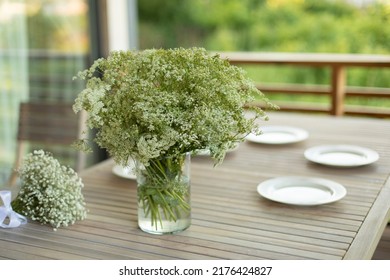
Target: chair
<point>48,126</point>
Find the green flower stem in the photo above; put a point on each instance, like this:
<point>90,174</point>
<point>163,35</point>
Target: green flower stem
<point>162,192</point>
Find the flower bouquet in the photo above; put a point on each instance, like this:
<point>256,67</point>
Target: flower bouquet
<point>50,192</point>
<point>157,106</point>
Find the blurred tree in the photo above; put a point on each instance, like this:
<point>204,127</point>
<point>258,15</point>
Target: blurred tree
<point>39,22</point>
<point>271,25</point>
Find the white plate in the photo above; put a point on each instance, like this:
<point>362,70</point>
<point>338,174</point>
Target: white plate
<point>278,135</point>
<point>341,155</point>
<point>305,191</point>
<point>124,172</point>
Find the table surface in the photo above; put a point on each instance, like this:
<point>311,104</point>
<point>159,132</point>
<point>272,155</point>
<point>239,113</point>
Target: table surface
<point>230,220</point>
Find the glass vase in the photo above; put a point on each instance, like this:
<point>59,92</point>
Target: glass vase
<point>163,190</point>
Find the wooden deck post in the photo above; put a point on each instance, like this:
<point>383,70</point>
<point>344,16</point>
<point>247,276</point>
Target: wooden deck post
<point>338,90</point>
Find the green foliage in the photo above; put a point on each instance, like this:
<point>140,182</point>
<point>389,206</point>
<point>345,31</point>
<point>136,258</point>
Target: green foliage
<point>52,31</point>
<point>292,26</point>
<point>311,26</point>
<point>334,8</point>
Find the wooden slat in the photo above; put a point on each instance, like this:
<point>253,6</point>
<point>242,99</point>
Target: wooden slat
<point>379,112</point>
<point>50,123</point>
<point>293,88</point>
<point>311,59</point>
<point>49,126</point>
<point>269,88</point>
<point>368,92</point>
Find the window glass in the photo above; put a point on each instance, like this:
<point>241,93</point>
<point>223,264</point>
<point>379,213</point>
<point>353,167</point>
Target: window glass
<point>43,44</point>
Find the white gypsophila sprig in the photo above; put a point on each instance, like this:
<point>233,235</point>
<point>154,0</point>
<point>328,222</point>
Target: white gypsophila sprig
<point>155,103</point>
<point>50,192</point>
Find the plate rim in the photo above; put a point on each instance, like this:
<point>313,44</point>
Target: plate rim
<point>312,153</point>
<point>301,134</point>
<point>115,170</point>
<point>338,189</point>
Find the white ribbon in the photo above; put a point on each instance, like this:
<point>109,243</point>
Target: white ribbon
<point>15,219</point>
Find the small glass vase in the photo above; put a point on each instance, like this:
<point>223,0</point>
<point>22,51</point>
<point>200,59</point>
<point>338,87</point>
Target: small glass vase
<point>163,190</point>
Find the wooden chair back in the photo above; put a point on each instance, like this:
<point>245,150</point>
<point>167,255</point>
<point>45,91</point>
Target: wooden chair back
<point>46,124</point>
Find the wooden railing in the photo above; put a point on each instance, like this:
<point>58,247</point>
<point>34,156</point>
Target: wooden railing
<point>337,88</point>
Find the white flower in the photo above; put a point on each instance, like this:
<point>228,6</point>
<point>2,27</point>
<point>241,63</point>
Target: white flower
<point>154,103</point>
<point>50,193</point>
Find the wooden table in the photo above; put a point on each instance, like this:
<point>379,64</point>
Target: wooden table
<point>230,220</point>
